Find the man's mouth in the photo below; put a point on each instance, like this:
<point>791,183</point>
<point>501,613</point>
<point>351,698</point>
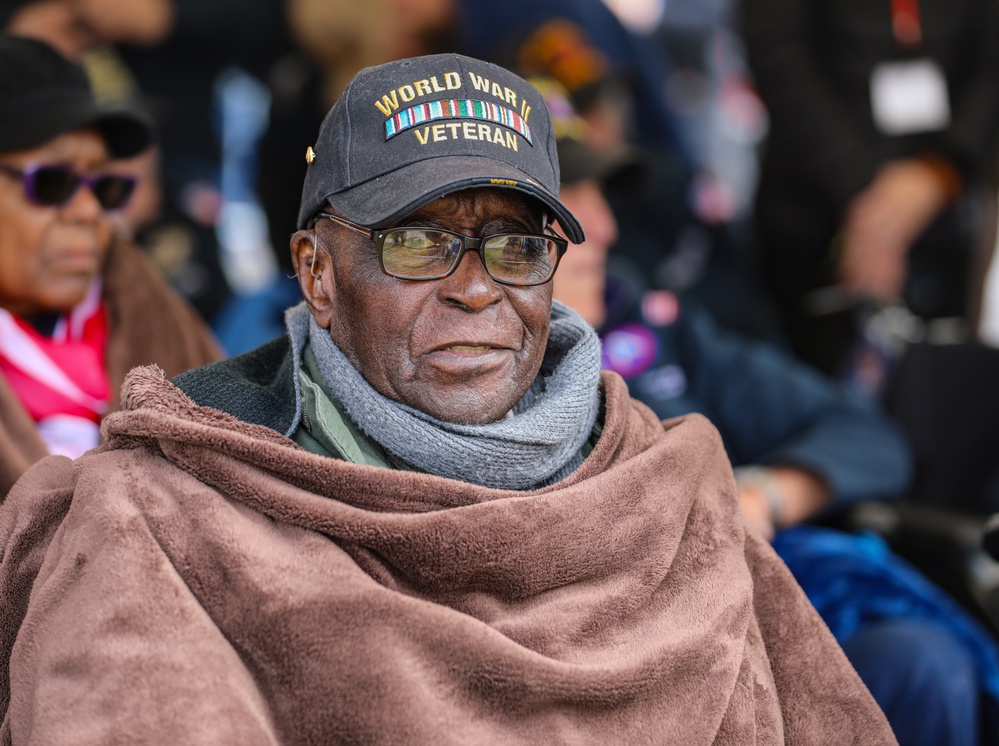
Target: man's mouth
<point>469,349</point>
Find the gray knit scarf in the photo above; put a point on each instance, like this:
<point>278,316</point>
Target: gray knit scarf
<point>539,445</point>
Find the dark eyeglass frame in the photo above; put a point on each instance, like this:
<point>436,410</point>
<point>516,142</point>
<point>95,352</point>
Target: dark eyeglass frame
<point>29,179</point>
<point>468,243</point>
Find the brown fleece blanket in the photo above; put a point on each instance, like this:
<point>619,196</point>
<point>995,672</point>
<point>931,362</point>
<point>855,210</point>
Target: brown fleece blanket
<point>199,580</point>
<point>148,324</point>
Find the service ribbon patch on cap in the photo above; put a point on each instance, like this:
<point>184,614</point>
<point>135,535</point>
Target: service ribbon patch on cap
<point>455,108</point>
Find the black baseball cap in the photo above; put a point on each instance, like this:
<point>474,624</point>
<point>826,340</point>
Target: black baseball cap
<point>408,132</point>
<point>43,95</point>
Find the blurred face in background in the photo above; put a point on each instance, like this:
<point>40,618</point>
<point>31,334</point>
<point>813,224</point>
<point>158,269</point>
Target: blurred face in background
<point>49,255</point>
<point>422,26</point>
<point>343,36</point>
<point>580,279</point>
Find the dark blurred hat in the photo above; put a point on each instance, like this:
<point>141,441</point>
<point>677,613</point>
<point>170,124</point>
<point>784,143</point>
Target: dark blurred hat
<point>560,49</point>
<point>404,133</point>
<point>578,159</point>
<point>43,95</point>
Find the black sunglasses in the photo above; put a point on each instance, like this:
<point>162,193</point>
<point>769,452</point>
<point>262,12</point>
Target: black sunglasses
<point>53,186</point>
<point>418,253</point>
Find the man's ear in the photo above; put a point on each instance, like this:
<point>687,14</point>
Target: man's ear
<point>314,271</point>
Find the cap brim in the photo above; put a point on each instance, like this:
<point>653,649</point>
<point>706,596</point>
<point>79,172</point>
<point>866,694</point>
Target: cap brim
<point>125,131</point>
<point>391,196</point>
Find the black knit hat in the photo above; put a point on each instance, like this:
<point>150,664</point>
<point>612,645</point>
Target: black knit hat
<point>407,132</point>
<point>43,95</point>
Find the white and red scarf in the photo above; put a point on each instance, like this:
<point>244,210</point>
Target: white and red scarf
<point>60,379</point>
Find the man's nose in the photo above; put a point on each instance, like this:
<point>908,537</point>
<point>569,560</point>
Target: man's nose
<point>470,286</point>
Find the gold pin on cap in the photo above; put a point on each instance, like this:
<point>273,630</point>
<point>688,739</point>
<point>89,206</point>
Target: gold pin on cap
<point>310,155</point>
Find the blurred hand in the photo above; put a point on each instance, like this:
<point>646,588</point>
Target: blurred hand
<point>76,26</point>
<point>143,22</point>
<point>55,22</point>
<point>757,510</point>
<point>800,494</point>
<point>883,222</point>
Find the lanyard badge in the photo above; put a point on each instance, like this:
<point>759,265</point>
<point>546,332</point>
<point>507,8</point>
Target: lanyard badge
<point>909,96</point>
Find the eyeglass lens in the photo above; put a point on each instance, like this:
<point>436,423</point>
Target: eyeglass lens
<point>420,253</point>
<point>55,185</point>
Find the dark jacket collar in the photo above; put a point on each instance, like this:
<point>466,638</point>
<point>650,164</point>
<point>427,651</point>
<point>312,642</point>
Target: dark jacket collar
<point>256,387</point>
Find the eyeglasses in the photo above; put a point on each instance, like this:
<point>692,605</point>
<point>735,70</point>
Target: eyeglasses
<point>416,253</point>
<point>53,186</point>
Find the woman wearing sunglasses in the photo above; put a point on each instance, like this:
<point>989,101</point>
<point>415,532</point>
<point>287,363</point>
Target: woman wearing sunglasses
<point>78,305</point>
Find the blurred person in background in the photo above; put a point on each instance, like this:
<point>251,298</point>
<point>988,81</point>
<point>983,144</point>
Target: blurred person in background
<point>79,307</point>
<point>803,450</point>
<point>877,182</point>
<point>86,31</point>
<point>103,35</point>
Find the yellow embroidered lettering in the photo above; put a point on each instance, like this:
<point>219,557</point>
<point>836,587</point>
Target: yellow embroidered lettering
<point>525,111</point>
<point>468,130</point>
<point>510,97</point>
<point>387,105</point>
<point>439,133</point>
<point>453,126</point>
<point>498,137</point>
<point>479,83</point>
<point>484,133</point>
<point>511,140</point>
<point>423,137</point>
<point>497,91</point>
<point>503,182</point>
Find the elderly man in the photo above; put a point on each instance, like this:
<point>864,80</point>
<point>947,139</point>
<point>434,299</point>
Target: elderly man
<point>422,515</point>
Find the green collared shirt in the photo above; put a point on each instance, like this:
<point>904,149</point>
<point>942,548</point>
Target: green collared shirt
<point>325,428</point>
